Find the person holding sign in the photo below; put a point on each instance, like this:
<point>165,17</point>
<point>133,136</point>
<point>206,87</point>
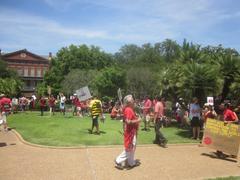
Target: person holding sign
<point>228,115</point>
<point>131,125</point>
<point>195,115</point>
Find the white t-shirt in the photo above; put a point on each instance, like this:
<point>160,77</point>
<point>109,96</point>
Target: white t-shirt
<point>62,99</point>
<point>194,111</point>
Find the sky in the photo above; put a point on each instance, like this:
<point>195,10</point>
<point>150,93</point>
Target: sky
<point>43,26</point>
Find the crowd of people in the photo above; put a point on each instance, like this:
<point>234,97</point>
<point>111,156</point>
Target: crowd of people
<point>131,112</point>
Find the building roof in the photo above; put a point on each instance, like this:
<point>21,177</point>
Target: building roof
<point>24,51</point>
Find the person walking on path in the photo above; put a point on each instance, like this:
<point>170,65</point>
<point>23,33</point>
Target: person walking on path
<point>5,109</point>
<point>131,125</point>
<point>96,111</point>
<point>158,121</point>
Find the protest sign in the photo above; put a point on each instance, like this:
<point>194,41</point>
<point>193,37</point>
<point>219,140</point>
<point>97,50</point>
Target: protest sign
<point>210,100</point>
<point>119,92</point>
<point>221,136</point>
<point>83,93</point>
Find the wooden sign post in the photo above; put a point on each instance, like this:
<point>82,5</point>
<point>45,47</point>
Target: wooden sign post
<point>223,137</point>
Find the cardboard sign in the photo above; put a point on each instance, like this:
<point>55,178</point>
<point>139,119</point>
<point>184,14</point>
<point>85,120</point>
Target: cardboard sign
<point>210,100</point>
<point>83,93</point>
<point>222,137</point>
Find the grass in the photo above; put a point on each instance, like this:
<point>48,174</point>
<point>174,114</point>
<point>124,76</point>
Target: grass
<point>73,131</point>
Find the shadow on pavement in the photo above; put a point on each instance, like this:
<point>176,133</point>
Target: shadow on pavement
<point>212,155</point>
<point>3,144</point>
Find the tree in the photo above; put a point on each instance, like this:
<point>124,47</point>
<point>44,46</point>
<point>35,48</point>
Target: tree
<point>127,54</point>
<point>169,49</point>
<point>109,80</point>
<point>229,68</point>
<point>10,86</point>
<point>77,79</point>
<point>75,57</point>
<point>192,52</point>
<point>141,81</point>
<point>10,83</point>
<point>200,80</point>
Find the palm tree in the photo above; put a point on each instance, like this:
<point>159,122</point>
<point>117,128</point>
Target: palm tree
<point>200,80</point>
<point>229,68</point>
<point>192,53</point>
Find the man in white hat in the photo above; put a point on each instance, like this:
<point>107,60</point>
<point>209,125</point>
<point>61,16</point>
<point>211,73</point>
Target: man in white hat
<point>5,109</point>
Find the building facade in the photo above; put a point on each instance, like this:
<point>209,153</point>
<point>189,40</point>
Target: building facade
<point>29,66</point>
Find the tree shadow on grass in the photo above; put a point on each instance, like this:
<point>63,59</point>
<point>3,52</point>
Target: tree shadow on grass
<point>185,133</point>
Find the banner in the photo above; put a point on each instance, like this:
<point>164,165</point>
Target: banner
<point>83,93</point>
<point>221,136</point>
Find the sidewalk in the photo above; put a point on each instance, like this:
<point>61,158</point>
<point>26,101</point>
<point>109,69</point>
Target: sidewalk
<point>20,161</point>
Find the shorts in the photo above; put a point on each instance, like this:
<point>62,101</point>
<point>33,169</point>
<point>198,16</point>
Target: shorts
<point>62,105</point>
<point>95,120</point>
<point>78,109</point>
<point>195,122</point>
<point>147,118</point>
<point>4,117</point>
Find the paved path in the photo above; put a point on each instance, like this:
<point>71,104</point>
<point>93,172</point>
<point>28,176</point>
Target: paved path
<point>21,161</point>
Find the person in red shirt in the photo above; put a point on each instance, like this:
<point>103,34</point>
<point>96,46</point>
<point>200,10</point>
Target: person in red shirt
<point>74,104</point>
<point>78,105</point>
<point>228,115</point>
<point>5,109</point>
<point>131,124</point>
<point>42,103</point>
<point>51,104</point>
<point>116,112</point>
<point>158,121</point>
<point>147,105</point>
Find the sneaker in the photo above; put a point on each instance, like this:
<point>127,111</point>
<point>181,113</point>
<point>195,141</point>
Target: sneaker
<point>118,166</point>
<point>90,131</point>
<point>137,163</point>
<point>164,144</point>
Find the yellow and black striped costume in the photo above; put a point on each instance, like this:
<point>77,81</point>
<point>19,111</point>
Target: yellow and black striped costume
<point>96,107</point>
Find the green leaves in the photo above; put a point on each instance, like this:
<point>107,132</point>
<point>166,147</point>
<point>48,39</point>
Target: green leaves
<point>10,86</point>
<point>109,80</point>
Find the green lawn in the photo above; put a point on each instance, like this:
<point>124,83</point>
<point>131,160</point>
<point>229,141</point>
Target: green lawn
<point>73,131</point>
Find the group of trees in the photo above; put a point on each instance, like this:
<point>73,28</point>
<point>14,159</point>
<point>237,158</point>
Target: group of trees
<point>164,68</point>
<point>10,84</point>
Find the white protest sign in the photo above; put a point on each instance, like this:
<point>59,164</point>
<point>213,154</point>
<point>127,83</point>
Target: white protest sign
<point>83,93</point>
<point>210,100</point>
<point>119,94</point>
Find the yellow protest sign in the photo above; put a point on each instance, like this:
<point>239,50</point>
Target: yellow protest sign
<point>221,136</point>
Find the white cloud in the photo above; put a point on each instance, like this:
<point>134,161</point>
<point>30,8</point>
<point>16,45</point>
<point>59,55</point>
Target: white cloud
<point>133,21</point>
